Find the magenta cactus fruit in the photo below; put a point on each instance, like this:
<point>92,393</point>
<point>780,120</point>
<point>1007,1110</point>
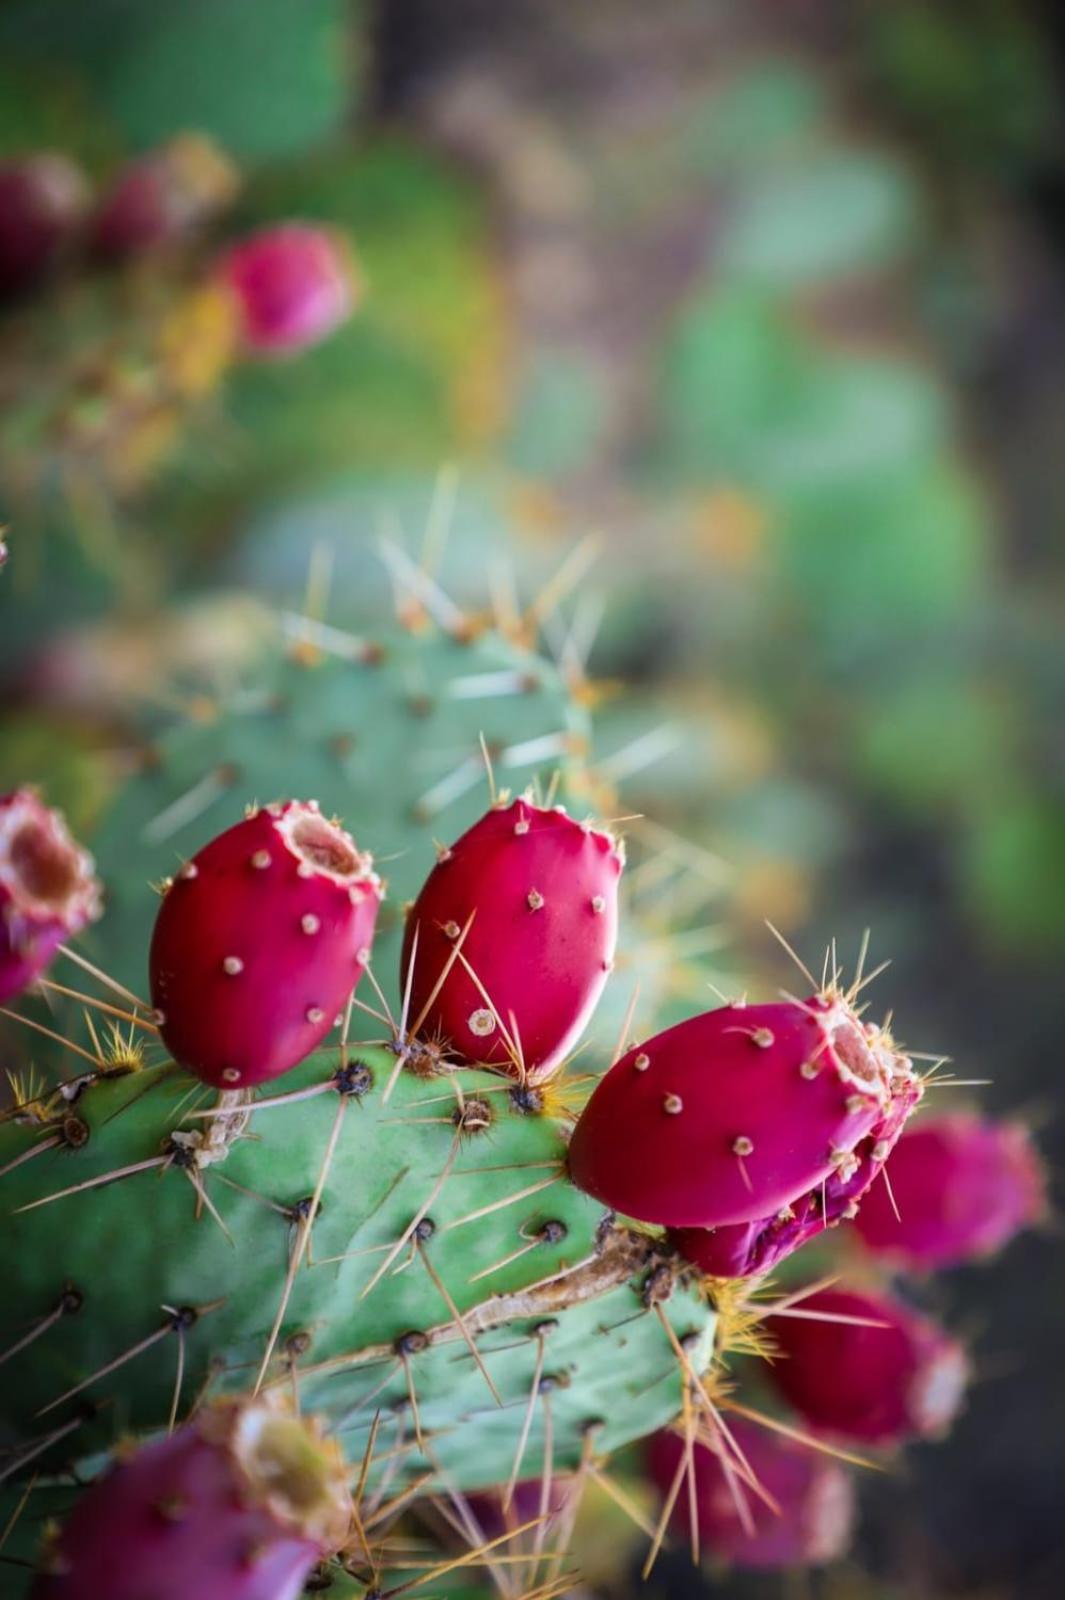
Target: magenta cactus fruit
<point>43,200</point>
<point>530,898</point>
<point>868,1367</point>
<point>237,1505</point>
<point>259,942</point>
<point>161,197</point>
<point>748,1249</point>
<point>293,284</point>
<point>962,1185</point>
<point>48,889</point>
<point>814,1496</point>
<point>737,1114</point>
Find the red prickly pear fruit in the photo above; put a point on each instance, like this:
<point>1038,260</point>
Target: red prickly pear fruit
<point>293,284</point>
<point>901,1379</point>
<point>749,1249</point>
<point>162,197</point>
<point>236,1505</point>
<point>542,892</point>
<point>259,942</point>
<point>735,1115</point>
<point>963,1186</point>
<point>43,199</point>
<point>814,1495</point>
<point>48,890</point>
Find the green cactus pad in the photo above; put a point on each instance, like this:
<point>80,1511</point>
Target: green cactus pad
<point>577,1306</point>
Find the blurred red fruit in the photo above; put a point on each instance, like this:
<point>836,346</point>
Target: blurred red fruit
<point>294,286</point>
<point>48,890</point>
<point>814,1494</point>
<point>43,201</point>
<point>162,197</point>
<point>962,1187</point>
<point>901,1379</point>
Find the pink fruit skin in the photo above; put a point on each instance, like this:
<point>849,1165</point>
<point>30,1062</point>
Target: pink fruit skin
<point>258,945</point>
<point>294,285</point>
<point>736,1114</point>
<point>173,1523</point>
<point>880,1385</point>
<point>748,1249</point>
<point>43,199</point>
<point>963,1185</point>
<point>815,1496</point>
<point>48,891</point>
<point>543,893</point>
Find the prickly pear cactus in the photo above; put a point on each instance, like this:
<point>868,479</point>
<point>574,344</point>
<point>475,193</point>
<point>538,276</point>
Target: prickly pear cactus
<point>402,1249</point>
<point>411,1248</point>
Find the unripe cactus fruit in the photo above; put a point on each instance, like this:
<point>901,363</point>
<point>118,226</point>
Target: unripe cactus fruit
<point>901,1379</point>
<point>161,197</point>
<point>813,1494</point>
<point>747,1249</point>
<point>294,285</point>
<point>259,942</point>
<point>738,1113</point>
<point>48,889</point>
<point>963,1186</point>
<point>238,1504</point>
<point>531,899</point>
<point>43,199</point>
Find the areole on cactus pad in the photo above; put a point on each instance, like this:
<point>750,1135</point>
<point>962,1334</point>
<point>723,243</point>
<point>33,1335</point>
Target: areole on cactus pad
<point>735,1115</point>
<point>260,940</point>
<point>511,940</point>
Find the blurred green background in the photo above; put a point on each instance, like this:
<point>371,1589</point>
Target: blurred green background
<point>769,298</point>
